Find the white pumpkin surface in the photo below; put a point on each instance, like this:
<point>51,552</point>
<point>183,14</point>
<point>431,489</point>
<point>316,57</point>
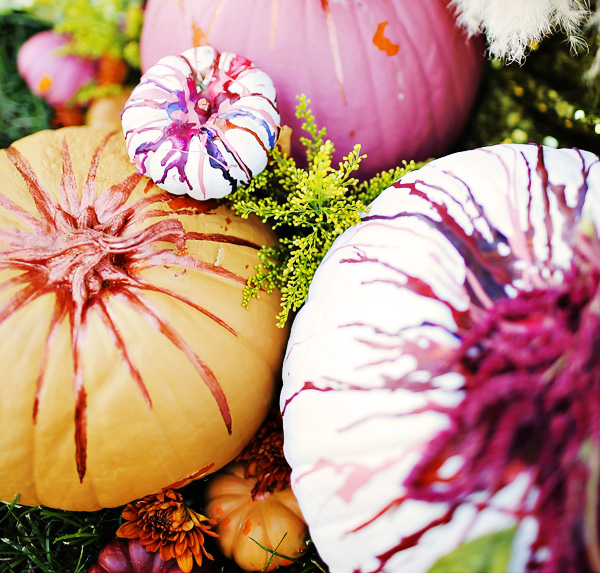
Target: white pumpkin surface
<point>369,379</point>
<point>201,123</point>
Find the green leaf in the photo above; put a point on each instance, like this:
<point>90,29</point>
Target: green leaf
<point>487,554</point>
<point>21,112</point>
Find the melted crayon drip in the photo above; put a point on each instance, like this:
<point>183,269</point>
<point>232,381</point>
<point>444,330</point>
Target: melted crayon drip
<point>203,115</point>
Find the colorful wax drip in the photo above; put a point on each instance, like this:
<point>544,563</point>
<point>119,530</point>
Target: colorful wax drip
<point>441,383</point>
<point>201,123</point>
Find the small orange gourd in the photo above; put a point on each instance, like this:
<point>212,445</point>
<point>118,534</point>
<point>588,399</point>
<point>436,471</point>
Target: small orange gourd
<point>105,112</point>
<point>247,520</point>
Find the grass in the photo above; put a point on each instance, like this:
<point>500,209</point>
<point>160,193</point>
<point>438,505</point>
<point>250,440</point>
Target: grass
<point>44,540</point>
<point>39,539</point>
<point>309,562</point>
<point>21,112</point>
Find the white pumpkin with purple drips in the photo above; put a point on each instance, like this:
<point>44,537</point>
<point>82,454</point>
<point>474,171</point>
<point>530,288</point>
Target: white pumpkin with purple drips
<point>441,383</point>
<point>201,123</point>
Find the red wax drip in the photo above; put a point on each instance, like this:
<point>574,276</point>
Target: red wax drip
<point>532,383</point>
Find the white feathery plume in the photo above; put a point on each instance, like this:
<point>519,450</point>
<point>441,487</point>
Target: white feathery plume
<point>511,26</point>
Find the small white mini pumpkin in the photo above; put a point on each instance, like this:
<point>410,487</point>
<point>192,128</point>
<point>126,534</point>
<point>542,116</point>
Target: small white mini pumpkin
<point>201,123</point>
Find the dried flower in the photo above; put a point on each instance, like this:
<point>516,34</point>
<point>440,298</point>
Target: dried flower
<point>264,458</point>
<point>163,522</point>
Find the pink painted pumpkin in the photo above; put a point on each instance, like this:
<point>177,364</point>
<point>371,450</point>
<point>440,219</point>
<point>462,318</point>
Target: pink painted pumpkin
<point>396,76</point>
<point>50,74</point>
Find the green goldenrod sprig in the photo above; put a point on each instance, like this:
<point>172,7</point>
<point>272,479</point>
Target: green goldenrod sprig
<point>309,207</point>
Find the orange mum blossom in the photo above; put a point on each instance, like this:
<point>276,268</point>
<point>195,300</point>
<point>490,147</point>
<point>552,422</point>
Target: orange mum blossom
<point>163,522</point>
<point>263,457</point>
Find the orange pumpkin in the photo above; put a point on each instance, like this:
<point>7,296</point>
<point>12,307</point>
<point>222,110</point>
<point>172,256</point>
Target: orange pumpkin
<point>271,519</point>
<point>128,362</point>
<point>105,112</point>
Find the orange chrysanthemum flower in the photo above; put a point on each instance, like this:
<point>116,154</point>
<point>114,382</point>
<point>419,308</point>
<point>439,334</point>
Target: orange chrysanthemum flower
<point>264,459</point>
<point>163,522</point>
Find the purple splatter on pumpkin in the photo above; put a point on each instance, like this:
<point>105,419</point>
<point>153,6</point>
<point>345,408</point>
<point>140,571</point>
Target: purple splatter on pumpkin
<point>201,123</point>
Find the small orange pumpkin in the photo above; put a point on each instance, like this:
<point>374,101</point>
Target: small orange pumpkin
<point>271,519</point>
<point>105,112</point>
<point>128,362</point>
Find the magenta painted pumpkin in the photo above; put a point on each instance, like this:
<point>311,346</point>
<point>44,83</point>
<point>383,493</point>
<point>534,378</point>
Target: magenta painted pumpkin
<point>50,74</point>
<point>396,76</point>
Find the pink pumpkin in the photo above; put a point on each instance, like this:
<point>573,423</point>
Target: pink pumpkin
<point>396,76</point>
<point>49,73</point>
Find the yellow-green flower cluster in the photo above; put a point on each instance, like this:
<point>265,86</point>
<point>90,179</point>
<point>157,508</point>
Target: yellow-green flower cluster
<point>309,208</point>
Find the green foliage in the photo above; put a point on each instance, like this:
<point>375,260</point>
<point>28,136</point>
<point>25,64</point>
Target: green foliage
<point>97,27</point>
<point>92,91</point>
<point>309,208</point>
<point>487,554</point>
<point>8,6</point>
<point>38,539</point>
<point>21,112</point>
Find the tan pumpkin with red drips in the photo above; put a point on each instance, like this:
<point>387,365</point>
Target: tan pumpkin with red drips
<point>128,362</point>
